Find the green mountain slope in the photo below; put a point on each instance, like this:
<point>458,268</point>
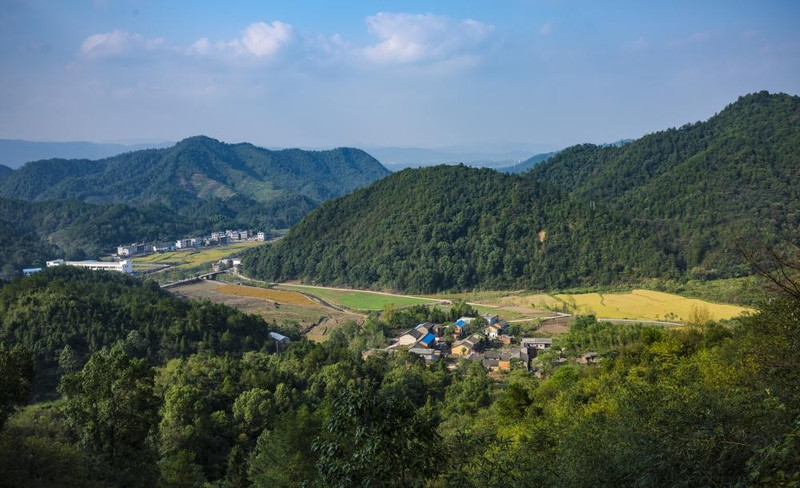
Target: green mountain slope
<point>701,185</point>
<point>35,232</point>
<point>454,227</point>
<point>200,176</point>
<point>5,171</point>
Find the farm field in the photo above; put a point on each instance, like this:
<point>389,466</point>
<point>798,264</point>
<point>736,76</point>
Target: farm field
<point>636,304</point>
<point>314,318</point>
<point>193,257</point>
<point>358,299</point>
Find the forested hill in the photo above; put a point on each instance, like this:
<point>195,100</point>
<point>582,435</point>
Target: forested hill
<point>201,176</point>
<point>33,232</point>
<point>454,227</point>
<point>701,185</point>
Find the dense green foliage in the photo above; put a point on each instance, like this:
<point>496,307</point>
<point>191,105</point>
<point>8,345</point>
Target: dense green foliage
<point>76,230</point>
<point>65,314</point>
<point>455,227</point>
<point>111,407</point>
<point>200,176</point>
<point>198,186</point>
<point>700,187</point>
<point>16,375</point>
<point>673,203</point>
<point>712,405</point>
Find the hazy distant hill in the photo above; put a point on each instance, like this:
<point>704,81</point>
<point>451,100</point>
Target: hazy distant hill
<point>527,164</point>
<point>484,156</point>
<point>702,184</point>
<point>455,227</point>
<point>201,177</point>
<point>15,153</point>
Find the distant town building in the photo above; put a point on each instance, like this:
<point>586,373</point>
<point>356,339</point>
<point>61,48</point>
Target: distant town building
<point>120,266</point>
<point>131,250</point>
<point>261,236</point>
<point>30,271</point>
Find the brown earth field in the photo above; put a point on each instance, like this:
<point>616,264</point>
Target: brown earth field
<point>314,317</point>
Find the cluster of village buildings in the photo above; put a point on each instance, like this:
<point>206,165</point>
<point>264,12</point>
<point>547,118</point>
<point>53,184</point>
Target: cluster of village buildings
<point>493,346</point>
<point>214,239</point>
<point>434,342</point>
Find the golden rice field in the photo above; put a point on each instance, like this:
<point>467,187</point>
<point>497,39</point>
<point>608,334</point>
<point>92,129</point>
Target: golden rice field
<point>279,296</point>
<point>637,304</point>
<point>194,257</point>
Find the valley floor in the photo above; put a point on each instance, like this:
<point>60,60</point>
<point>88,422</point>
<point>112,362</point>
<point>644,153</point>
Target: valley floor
<point>318,310</point>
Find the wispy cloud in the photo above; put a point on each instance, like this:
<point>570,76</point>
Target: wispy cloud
<point>546,28</point>
<point>419,38</point>
<point>116,43</point>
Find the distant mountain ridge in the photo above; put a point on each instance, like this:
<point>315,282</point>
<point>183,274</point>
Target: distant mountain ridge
<point>202,176</point>
<point>14,153</point>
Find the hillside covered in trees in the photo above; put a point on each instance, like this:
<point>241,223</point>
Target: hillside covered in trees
<point>675,203</point>
<point>195,171</point>
<point>40,231</point>
<point>455,227</point>
<point>155,391</point>
<point>702,186</point>
<point>200,184</point>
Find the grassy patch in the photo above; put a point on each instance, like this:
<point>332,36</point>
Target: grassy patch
<point>358,299</point>
<point>279,296</point>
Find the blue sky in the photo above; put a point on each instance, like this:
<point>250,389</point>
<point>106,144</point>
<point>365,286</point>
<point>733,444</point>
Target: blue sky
<point>477,74</point>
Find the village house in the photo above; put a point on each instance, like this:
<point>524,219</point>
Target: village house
<point>429,355</point>
<point>590,357</point>
<point>417,334</point>
<point>281,341</point>
<point>505,338</point>
<point>460,324</point>
<point>500,360</point>
<point>496,329</point>
<point>537,342</point>
<point>466,346</point>
<point>490,318</point>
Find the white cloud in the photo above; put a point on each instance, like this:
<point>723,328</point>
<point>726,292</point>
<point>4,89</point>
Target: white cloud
<point>262,40</point>
<point>258,40</point>
<point>117,43</point>
<point>414,38</point>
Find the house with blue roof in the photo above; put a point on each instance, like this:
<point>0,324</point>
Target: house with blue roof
<point>429,340</point>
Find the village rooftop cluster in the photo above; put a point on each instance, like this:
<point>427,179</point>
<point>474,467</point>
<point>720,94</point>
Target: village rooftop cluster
<point>492,345</point>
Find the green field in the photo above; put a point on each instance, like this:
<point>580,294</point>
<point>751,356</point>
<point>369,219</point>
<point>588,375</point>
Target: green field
<point>193,258</point>
<point>358,299</point>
